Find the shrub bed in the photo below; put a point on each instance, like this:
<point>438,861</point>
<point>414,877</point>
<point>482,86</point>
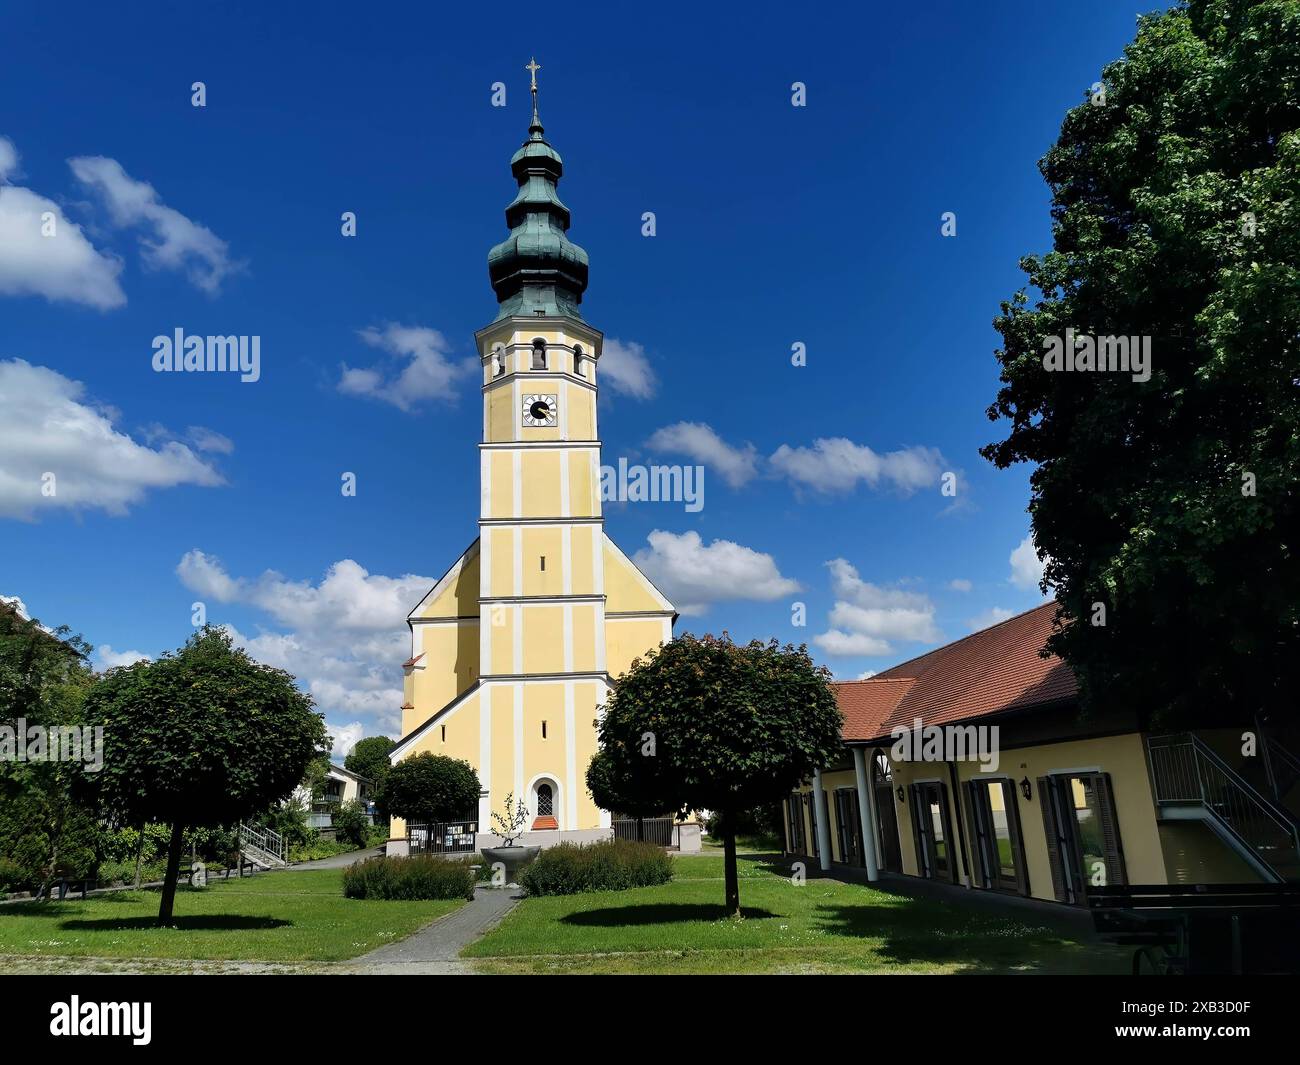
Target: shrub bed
<point>611,865</point>
<point>418,877</point>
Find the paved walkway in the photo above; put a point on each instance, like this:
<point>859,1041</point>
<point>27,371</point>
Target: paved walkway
<point>337,861</point>
<point>436,948</point>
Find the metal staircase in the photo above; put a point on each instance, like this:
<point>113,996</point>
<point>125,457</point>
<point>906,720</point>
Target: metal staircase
<point>1192,782</point>
<point>264,847</point>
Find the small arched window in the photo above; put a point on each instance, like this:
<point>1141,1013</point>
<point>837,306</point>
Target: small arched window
<point>545,801</point>
<point>579,361</point>
<point>539,354</point>
<point>498,360</point>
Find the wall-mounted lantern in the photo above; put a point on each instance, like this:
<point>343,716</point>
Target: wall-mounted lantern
<point>901,793</point>
<point>1025,789</point>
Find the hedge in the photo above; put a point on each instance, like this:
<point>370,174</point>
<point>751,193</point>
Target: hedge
<point>611,865</point>
<point>419,877</point>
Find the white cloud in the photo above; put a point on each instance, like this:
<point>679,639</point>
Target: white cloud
<point>867,674</point>
<point>866,617</point>
<point>8,159</point>
<point>47,427</point>
<point>1026,566</point>
<point>108,658</point>
<point>210,440</point>
<point>694,576</point>
<point>344,637</point>
<point>991,616</point>
<point>696,440</point>
<point>64,266</point>
<point>839,465</point>
<point>960,584</point>
<point>346,737</point>
<point>429,372</point>
<point>172,241</point>
<point>625,369</point>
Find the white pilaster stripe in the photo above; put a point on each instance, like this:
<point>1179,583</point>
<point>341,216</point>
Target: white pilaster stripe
<point>485,590</point>
<point>485,485</point>
<point>519,743</point>
<point>570,759</point>
<point>565,504</point>
<point>600,637</point>
<point>517,477</point>
<point>566,559</point>
<point>485,756</point>
<point>519,640</point>
<point>568,637</point>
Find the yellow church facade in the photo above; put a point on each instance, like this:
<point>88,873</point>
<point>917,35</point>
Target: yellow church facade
<point>513,649</point>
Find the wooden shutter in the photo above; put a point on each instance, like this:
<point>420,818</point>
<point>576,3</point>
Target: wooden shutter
<point>981,875</point>
<point>955,854</point>
<point>1115,875</point>
<point>1047,795</point>
<point>1010,801</point>
<point>918,832</point>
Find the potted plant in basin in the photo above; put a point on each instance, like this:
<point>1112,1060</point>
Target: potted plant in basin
<point>510,827</point>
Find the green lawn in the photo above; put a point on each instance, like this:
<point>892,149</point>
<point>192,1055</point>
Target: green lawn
<point>822,926</point>
<point>283,916</point>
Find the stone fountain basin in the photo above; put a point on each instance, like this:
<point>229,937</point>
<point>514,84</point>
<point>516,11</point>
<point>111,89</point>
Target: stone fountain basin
<point>513,858</point>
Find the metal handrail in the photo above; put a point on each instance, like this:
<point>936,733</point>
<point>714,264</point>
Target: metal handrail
<point>1185,770</point>
<point>266,839</point>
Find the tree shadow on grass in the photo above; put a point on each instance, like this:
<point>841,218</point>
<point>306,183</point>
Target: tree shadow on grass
<point>200,923</point>
<point>974,942</point>
<point>657,913</point>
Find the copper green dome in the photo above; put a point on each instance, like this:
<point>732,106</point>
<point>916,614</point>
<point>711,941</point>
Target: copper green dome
<point>537,268</point>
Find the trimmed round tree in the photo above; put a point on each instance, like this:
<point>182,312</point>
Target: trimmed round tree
<point>627,786</point>
<point>201,738</point>
<point>431,788</point>
<point>706,724</point>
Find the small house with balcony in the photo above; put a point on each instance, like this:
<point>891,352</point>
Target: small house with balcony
<point>975,766</point>
<point>339,786</point>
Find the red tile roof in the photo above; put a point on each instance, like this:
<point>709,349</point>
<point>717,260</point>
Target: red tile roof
<point>987,672</point>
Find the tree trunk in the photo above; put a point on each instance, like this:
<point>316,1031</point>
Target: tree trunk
<point>640,829</point>
<point>139,858</point>
<point>174,849</point>
<point>729,863</point>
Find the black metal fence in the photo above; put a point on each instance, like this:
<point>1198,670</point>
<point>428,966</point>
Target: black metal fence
<point>454,837</point>
<point>658,830</point>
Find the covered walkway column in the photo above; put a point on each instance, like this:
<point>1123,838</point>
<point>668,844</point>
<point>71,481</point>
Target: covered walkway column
<point>822,829</point>
<point>866,812</point>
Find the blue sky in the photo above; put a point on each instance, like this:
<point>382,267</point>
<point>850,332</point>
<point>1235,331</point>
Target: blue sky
<point>775,224</point>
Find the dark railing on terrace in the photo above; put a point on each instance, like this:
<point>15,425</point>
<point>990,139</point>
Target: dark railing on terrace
<point>1186,772</point>
<point>657,830</point>
<point>451,837</point>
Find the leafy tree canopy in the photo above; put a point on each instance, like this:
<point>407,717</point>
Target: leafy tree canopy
<point>432,788</point>
<point>723,727</point>
<point>369,757</point>
<point>1172,502</point>
<point>203,737</point>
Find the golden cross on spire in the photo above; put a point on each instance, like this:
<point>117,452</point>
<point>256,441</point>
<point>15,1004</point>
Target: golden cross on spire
<point>533,67</point>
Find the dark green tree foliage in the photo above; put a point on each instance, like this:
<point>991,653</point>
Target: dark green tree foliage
<point>432,788</point>
<point>1173,503</point>
<point>725,727</point>
<point>46,830</point>
<point>201,738</point>
<point>351,825</point>
<point>628,786</point>
<point>369,758</point>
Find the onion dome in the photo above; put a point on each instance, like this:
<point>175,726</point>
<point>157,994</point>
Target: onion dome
<point>537,270</point>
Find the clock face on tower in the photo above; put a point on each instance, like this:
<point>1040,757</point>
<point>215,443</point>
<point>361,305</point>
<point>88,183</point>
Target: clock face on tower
<point>539,410</point>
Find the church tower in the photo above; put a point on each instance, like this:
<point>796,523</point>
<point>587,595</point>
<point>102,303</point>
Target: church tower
<point>513,649</point>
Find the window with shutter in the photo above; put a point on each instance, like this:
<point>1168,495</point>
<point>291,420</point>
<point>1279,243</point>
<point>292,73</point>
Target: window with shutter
<point>1050,803</point>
